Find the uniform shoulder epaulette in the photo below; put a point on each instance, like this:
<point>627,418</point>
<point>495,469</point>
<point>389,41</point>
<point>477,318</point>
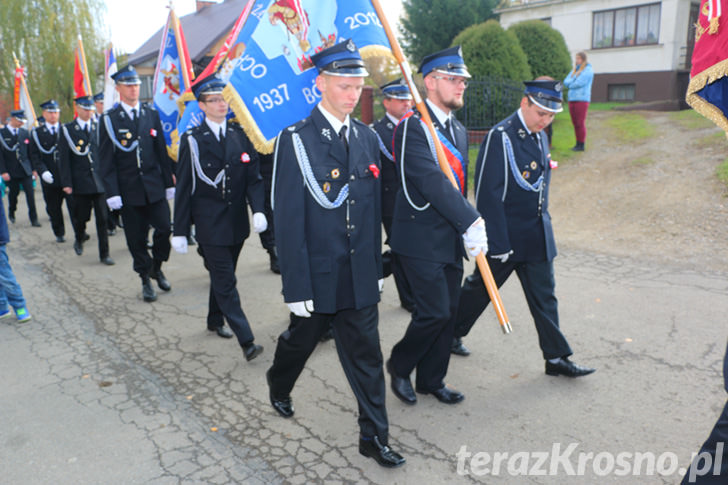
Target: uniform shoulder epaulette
<point>235,125</point>
<point>299,124</point>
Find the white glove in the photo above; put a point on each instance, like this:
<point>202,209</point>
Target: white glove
<point>179,244</point>
<point>114,203</point>
<point>502,257</point>
<point>169,193</point>
<point>301,308</point>
<point>475,239</point>
<point>47,177</point>
<point>260,223</point>
<point>381,285</point>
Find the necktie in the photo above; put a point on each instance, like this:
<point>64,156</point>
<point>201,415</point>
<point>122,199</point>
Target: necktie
<point>53,130</point>
<point>133,114</point>
<point>448,127</point>
<point>342,137</point>
<point>221,136</point>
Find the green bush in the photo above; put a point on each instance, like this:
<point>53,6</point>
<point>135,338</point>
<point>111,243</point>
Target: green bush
<point>489,50</point>
<point>545,48</point>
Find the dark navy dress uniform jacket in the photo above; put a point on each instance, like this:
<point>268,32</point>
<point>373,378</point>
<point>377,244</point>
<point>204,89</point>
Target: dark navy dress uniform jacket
<point>45,161</point>
<point>512,217</point>
<point>79,172</point>
<point>330,256</point>
<point>120,171</point>
<point>432,234</point>
<point>219,214</point>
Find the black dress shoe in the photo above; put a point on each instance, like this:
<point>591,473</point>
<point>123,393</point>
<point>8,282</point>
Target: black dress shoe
<point>401,386</point>
<point>148,292</point>
<point>85,237</point>
<point>445,395</point>
<point>162,281</point>
<point>221,331</point>
<point>60,239</point>
<point>382,454</point>
<point>565,367</point>
<point>111,232</point>
<point>78,247</point>
<point>410,307</point>
<point>191,241</point>
<point>12,218</point>
<point>252,350</point>
<point>35,223</point>
<point>107,261</point>
<point>458,348</point>
<point>283,405</point>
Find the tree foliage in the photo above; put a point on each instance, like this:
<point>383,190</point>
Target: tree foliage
<point>489,50</point>
<point>430,25</point>
<point>44,35</point>
<point>544,47</point>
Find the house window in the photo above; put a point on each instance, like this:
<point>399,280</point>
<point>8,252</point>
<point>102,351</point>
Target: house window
<point>146,89</point>
<point>620,92</point>
<point>626,27</point>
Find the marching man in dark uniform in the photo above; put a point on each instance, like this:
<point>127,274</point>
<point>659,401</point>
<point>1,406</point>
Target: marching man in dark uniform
<point>15,166</point>
<point>397,102</point>
<point>326,204</point>
<point>79,177</point>
<point>217,171</point>
<point>112,216</point>
<point>431,220</point>
<point>512,178</point>
<point>99,105</point>
<point>137,174</point>
<point>43,156</point>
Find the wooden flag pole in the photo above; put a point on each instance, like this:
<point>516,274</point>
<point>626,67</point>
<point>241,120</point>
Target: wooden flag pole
<point>485,272</point>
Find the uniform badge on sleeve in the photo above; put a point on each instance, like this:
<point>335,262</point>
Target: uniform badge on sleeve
<point>245,158</point>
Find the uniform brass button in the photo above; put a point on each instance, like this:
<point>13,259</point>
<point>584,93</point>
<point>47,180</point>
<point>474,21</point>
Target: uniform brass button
<point>352,177</point>
<point>352,202</point>
<point>352,251</point>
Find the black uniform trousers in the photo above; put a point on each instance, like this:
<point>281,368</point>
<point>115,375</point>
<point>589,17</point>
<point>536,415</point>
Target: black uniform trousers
<point>537,281</point>
<point>137,220</point>
<point>224,301</point>
<point>713,456</point>
<point>395,267</point>
<point>267,238</point>
<point>426,343</point>
<point>14,189</point>
<point>83,203</point>
<point>54,197</point>
<point>357,343</point>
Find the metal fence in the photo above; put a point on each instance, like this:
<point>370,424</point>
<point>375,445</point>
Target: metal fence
<point>488,100</point>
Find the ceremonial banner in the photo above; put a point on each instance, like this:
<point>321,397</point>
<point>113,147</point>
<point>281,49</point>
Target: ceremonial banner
<point>708,89</point>
<point>22,96</point>
<point>81,80</point>
<point>271,80</point>
<point>171,78</point>
<point>111,95</point>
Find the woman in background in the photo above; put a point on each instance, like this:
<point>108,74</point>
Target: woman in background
<point>579,82</point>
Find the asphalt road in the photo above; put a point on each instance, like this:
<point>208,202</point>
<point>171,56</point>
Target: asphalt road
<point>101,387</point>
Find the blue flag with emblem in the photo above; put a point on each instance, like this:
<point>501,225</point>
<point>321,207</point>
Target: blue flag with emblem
<point>268,70</point>
<point>171,79</point>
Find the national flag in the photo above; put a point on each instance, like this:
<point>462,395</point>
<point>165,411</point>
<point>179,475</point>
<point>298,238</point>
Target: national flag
<point>267,65</point>
<point>111,95</point>
<point>708,76</point>
<point>171,79</point>
<point>81,79</point>
<point>22,96</point>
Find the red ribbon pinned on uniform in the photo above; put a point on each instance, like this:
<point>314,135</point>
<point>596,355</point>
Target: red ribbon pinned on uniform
<point>374,170</point>
<point>245,158</point>
<point>153,132</point>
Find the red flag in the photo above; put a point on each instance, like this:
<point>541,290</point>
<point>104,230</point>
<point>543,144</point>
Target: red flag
<point>79,84</point>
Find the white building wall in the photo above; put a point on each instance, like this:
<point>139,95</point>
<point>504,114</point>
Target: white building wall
<point>573,18</point>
